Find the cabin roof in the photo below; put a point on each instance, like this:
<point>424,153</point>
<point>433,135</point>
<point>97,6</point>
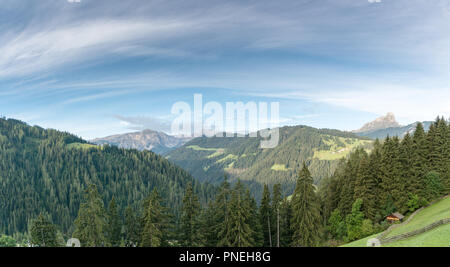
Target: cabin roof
<point>397,215</point>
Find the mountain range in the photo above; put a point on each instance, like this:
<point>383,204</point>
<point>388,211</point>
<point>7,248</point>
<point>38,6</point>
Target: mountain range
<point>157,142</point>
<point>382,122</point>
<point>209,159</point>
<point>385,126</point>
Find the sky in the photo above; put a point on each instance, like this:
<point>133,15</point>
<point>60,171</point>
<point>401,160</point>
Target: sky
<point>103,67</point>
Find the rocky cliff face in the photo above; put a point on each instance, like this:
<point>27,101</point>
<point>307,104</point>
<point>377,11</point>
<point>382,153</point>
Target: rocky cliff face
<point>157,142</point>
<point>383,122</point>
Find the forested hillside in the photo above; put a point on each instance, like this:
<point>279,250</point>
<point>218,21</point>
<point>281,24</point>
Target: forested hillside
<point>47,171</point>
<point>208,159</point>
<point>398,175</point>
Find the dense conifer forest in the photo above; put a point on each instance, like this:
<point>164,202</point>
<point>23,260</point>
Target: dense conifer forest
<point>397,175</point>
<point>208,159</point>
<point>47,171</point>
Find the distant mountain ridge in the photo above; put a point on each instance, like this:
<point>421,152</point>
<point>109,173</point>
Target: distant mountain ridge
<point>395,131</point>
<point>385,126</point>
<point>382,122</point>
<point>155,141</point>
<point>209,159</point>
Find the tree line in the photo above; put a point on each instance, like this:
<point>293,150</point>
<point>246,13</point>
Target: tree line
<point>398,175</point>
<point>46,171</point>
<point>232,219</point>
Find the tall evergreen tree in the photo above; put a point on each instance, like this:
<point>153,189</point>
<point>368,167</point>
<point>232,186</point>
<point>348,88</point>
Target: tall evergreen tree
<point>239,232</point>
<point>132,232</point>
<point>91,223</point>
<point>43,233</point>
<point>349,177</point>
<point>114,225</point>
<point>253,220</point>
<point>155,221</point>
<point>276,206</point>
<point>222,214</point>
<point>306,219</point>
<point>437,139</point>
<point>191,231</point>
<point>391,171</point>
<point>209,225</point>
<point>265,213</point>
<point>419,161</point>
<point>286,231</point>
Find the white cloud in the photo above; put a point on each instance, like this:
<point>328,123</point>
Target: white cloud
<point>34,51</point>
<point>408,104</point>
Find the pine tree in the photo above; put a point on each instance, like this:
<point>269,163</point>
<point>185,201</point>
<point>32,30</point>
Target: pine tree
<point>253,220</point>
<point>446,172</point>
<point>437,139</point>
<point>404,183</point>
<point>209,225</point>
<point>391,172</point>
<point>331,190</point>
<point>266,217</point>
<point>221,214</point>
<point>239,232</point>
<point>131,228</point>
<point>90,225</point>
<point>43,233</point>
<point>306,219</point>
<point>276,205</point>
<point>286,231</point>
<point>365,187</point>
<point>348,179</point>
<point>374,177</point>
<point>114,226</point>
<point>191,232</point>
<point>155,221</point>
<point>419,160</point>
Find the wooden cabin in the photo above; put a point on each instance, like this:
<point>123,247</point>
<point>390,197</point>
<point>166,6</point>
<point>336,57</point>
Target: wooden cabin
<point>395,217</point>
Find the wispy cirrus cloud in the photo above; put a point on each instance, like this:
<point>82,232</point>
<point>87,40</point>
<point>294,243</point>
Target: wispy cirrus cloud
<point>35,51</point>
<point>362,56</point>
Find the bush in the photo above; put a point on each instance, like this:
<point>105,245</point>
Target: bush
<point>413,202</point>
<point>336,225</point>
<point>367,228</point>
<point>354,221</point>
<point>7,241</point>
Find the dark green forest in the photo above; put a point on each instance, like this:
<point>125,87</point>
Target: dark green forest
<point>47,171</point>
<point>397,175</point>
<point>208,159</point>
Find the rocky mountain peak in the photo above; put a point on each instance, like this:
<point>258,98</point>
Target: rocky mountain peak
<point>383,122</point>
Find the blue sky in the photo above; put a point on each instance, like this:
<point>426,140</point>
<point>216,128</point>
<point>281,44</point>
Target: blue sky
<point>102,67</point>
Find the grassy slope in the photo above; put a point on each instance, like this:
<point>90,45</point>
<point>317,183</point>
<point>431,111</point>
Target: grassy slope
<point>437,237</point>
<point>339,147</point>
<point>360,243</point>
<point>208,159</point>
<point>435,212</point>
